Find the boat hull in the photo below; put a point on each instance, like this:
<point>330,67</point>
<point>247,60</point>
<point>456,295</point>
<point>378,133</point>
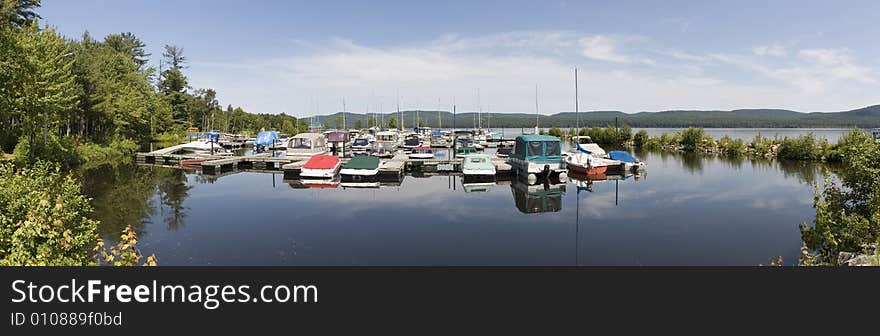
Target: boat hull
<point>359,172</point>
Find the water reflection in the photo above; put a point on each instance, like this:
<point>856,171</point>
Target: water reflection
<point>537,198</point>
<point>694,210</point>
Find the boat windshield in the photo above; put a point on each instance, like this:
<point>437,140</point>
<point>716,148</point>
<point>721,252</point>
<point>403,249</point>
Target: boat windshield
<point>477,160</point>
<point>300,143</point>
<point>385,137</point>
<point>361,142</point>
<point>552,148</point>
<point>536,148</point>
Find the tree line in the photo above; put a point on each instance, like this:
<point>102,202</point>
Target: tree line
<point>59,93</point>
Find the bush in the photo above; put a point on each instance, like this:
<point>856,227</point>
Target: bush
<point>730,146</point>
<point>803,147</point>
<point>44,218</point>
<point>60,150</point>
<point>119,151</point>
<point>555,132</point>
<point>640,139</point>
<point>693,139</point>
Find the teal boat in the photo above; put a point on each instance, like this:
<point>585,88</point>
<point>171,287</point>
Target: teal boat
<point>465,145</point>
<point>531,199</point>
<point>535,155</point>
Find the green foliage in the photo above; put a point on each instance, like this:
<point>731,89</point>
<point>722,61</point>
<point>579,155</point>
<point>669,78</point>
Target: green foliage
<point>730,146</point>
<point>555,132</point>
<point>18,13</point>
<point>392,122</point>
<point>848,210</point>
<point>804,147</point>
<point>693,139</point>
<point>125,253</point>
<point>117,152</point>
<point>56,149</point>
<point>44,218</point>
<point>641,138</point>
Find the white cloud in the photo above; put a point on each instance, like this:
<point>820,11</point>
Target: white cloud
<point>616,73</point>
<point>776,50</point>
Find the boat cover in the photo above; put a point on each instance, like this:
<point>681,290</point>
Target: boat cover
<point>437,133</point>
<point>362,162</point>
<point>322,162</point>
<point>423,148</point>
<point>621,156</point>
<point>266,138</point>
<point>337,137</point>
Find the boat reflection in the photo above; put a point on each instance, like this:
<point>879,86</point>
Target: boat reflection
<point>537,198</point>
<point>476,187</point>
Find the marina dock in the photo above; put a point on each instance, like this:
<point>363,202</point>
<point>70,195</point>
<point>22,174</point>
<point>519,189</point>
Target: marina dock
<point>391,169</point>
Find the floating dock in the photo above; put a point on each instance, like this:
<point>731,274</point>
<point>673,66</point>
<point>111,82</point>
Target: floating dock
<point>390,170</point>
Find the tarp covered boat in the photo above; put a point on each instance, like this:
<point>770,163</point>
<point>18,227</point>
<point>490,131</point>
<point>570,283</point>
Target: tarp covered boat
<point>321,166</point>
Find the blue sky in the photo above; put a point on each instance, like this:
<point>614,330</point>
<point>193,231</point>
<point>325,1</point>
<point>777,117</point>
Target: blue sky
<point>303,58</point>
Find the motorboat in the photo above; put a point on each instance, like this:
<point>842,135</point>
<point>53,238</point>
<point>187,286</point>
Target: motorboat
<point>421,153</point>
<point>535,155</point>
<point>589,159</point>
<point>305,145</point>
<point>465,145</point>
<point>321,166</point>
<point>360,168</point>
<point>266,140</point>
<point>383,149</point>
<point>477,166</point>
<point>361,144</point>
<point>206,144</point>
<point>412,141</point>
<point>630,163</point>
<point>338,142</point>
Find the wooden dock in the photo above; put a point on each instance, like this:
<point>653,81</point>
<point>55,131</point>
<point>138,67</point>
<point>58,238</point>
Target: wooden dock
<point>390,170</point>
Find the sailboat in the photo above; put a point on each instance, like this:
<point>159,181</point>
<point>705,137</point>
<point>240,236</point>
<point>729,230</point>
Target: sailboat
<point>585,161</point>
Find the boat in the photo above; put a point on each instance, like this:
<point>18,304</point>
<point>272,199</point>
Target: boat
<point>360,185</point>
<point>320,183</point>
<point>206,144</point>
<point>465,145</point>
<point>321,166</point>
<point>360,168</point>
<point>535,155</point>
<point>383,149</point>
<point>505,148</point>
<point>477,166</point>
<point>587,157</point>
<point>438,139</point>
<point>338,142</point>
<point>630,163</point>
<point>265,140</point>
<point>305,145</point>
<point>361,144</point>
<point>876,133</point>
<point>412,141</point>
<point>421,153</point>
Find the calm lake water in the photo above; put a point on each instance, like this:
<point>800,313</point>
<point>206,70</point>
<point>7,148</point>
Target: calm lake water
<point>686,210</point>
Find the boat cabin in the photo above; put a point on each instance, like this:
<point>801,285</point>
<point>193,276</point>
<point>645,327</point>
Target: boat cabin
<point>307,144</point>
<point>536,154</point>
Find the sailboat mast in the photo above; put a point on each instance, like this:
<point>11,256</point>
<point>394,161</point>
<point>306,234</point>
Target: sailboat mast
<point>343,113</point>
<point>536,108</point>
<point>576,110</point>
<point>480,112</point>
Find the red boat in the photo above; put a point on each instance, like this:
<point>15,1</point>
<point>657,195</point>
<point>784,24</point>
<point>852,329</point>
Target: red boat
<point>586,164</point>
<point>321,166</point>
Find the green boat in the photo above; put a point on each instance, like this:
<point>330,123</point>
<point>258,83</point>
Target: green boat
<point>465,145</point>
<point>537,155</point>
<point>360,168</point>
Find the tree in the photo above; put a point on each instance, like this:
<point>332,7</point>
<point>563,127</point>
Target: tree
<point>337,121</point>
<point>47,89</point>
<point>641,138</point>
<point>128,44</point>
<point>19,13</point>
<point>174,83</point>
<point>358,125</point>
<point>371,122</point>
<point>392,122</point>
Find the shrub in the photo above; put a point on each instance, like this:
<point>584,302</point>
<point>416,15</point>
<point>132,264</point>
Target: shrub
<point>44,218</point>
<point>692,139</point>
<point>640,139</point>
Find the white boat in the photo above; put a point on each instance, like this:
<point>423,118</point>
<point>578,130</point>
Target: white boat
<point>321,166</point>
<point>421,153</point>
<point>478,165</point>
<point>359,168</point>
<point>361,144</point>
<point>207,145</point>
<point>305,145</point>
<point>412,141</point>
<point>392,138</point>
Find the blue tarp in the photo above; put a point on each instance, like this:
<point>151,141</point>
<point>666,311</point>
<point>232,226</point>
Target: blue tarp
<point>437,133</point>
<point>582,150</point>
<point>213,136</point>
<point>621,156</point>
<point>266,138</point>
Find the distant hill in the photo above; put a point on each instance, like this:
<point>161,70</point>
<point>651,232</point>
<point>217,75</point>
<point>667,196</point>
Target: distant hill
<point>867,117</point>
